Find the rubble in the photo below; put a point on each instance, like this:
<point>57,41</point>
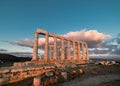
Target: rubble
<point>106,63</point>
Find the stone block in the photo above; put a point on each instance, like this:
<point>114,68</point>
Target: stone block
<point>18,64</point>
<point>113,62</point>
<point>64,75</point>
<point>21,70</point>
<point>49,73</point>
<point>81,71</point>
<point>14,70</point>
<point>37,81</point>
<point>4,71</point>
<point>13,78</point>
<point>5,75</point>
<point>47,67</point>
<point>23,73</point>
<point>4,81</point>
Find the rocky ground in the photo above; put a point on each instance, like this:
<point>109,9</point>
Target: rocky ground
<point>95,74</point>
<point>100,73</point>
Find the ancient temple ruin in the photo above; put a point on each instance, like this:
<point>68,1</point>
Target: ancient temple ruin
<point>69,50</point>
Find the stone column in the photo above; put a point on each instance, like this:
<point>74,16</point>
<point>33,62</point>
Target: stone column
<point>55,47</point>
<point>50,52</point>
<point>78,50</point>
<point>74,50</point>
<point>68,50</point>
<point>35,46</point>
<point>59,52</point>
<point>46,46</point>
<point>82,50</point>
<point>63,51</point>
<point>86,51</point>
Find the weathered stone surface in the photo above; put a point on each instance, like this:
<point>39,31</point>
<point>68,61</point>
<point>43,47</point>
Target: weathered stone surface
<point>49,73</point>
<point>114,63</point>
<point>13,74</point>
<point>14,70</point>
<point>64,75</point>
<point>0,75</point>
<point>4,81</point>
<point>81,71</point>
<point>5,75</point>
<point>106,63</point>
<point>5,70</point>
<point>48,67</point>
<point>37,81</point>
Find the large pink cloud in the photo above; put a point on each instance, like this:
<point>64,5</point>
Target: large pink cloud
<point>92,37</point>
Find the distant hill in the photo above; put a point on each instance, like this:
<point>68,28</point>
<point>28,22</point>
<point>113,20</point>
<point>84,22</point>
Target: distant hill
<point>6,59</point>
<point>105,59</point>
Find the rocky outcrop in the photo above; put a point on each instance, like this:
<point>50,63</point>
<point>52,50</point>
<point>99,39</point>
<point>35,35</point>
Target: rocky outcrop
<point>107,63</point>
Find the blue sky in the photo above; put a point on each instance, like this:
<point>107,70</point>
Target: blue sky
<point>20,18</point>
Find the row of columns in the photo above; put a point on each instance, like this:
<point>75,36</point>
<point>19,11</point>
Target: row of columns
<point>76,47</point>
<point>77,52</point>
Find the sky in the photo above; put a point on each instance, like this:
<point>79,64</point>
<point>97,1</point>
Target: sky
<point>95,21</point>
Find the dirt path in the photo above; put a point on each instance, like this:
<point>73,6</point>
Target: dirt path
<point>93,81</point>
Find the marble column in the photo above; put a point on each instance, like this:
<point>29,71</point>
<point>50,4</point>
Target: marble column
<point>35,47</point>
<point>55,47</point>
<point>74,50</point>
<point>83,51</point>
<point>68,50</point>
<point>78,50</point>
<point>86,46</point>
<point>46,46</point>
<point>59,52</point>
<point>63,50</point>
<point>51,52</point>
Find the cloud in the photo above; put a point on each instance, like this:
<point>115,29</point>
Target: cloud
<point>25,42</point>
<point>111,49</point>
<point>92,37</point>
<point>97,40</point>
<point>99,44</point>
<point>113,45</point>
<point>99,51</point>
<point>3,50</point>
<point>21,54</point>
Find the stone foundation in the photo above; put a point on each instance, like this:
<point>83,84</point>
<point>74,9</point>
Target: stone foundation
<point>17,73</point>
<point>24,70</point>
<point>57,76</point>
